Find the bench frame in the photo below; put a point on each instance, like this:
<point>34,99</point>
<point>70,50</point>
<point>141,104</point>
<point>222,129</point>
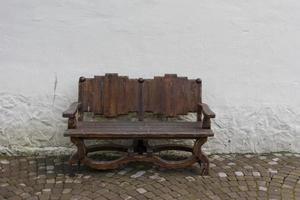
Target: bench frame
<point>140,150</point>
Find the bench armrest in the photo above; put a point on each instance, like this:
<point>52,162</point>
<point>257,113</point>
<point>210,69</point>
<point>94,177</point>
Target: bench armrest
<point>72,114</point>
<point>71,111</point>
<point>207,113</point>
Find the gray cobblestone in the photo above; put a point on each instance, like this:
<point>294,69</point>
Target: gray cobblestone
<point>269,176</point>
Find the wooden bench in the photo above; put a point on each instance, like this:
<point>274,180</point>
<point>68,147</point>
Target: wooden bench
<point>111,96</point>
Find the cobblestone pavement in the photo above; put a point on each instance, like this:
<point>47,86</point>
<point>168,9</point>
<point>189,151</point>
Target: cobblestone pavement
<point>270,176</point>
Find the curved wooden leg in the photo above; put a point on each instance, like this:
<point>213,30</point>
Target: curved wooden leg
<point>81,156</point>
<point>132,156</point>
<point>203,159</point>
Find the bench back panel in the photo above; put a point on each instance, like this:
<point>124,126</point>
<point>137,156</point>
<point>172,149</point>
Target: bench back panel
<point>112,95</point>
<point>171,95</point>
<point>109,95</point>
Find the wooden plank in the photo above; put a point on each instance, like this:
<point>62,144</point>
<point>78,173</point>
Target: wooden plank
<point>129,123</point>
<point>199,82</point>
<point>141,100</point>
<point>168,95</point>
<point>139,129</point>
<point>110,107</point>
<point>87,94</point>
<point>122,95</point>
<point>194,96</point>
<point>80,93</point>
<point>148,98</point>
<point>132,97</point>
<point>123,130</point>
<point>181,97</point>
<point>94,133</point>
<point>157,96</point>
<point>146,127</point>
<point>98,94</point>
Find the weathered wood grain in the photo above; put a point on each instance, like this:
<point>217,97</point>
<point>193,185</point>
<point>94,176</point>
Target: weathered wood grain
<point>112,95</point>
<point>141,130</point>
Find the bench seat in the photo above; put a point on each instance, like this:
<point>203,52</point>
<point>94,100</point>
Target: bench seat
<point>139,130</point>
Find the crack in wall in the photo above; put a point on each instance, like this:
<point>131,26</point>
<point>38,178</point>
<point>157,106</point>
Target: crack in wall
<point>54,89</point>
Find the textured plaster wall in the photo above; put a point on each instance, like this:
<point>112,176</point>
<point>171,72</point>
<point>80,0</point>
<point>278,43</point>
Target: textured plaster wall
<point>246,52</point>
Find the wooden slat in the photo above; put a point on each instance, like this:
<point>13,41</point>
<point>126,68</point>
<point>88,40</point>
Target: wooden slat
<point>136,135</point>
<point>80,93</point>
<point>122,95</point>
<point>87,94</point>
<point>168,95</point>
<point>98,94</point>
<point>110,95</point>
<point>139,130</point>
<point>132,95</point>
<point>134,124</point>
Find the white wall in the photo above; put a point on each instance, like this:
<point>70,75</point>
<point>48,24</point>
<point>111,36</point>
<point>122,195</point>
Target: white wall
<point>246,52</point>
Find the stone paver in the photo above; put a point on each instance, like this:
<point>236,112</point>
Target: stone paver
<point>232,176</point>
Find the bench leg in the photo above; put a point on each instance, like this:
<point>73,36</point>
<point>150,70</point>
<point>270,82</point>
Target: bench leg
<point>71,169</point>
<point>203,159</point>
<point>141,151</point>
<point>79,156</point>
<point>78,165</point>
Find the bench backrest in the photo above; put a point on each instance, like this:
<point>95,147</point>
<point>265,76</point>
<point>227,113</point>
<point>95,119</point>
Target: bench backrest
<point>112,95</point>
